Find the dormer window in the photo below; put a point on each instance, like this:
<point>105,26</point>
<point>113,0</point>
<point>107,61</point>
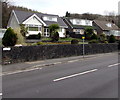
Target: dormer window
<point>109,25</point>
<point>50,18</point>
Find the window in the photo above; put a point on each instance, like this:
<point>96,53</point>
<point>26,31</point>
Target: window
<point>46,32</point>
<point>50,18</point>
<point>77,31</point>
<point>33,28</point>
<point>109,25</point>
<point>78,22</point>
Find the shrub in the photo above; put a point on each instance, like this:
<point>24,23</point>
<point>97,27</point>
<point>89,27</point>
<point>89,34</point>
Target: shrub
<point>111,39</point>
<point>23,30</point>
<point>40,43</point>
<point>93,41</point>
<point>94,37</point>
<point>21,38</point>
<point>39,36</point>
<point>9,38</point>
<point>74,41</point>
<point>55,37</point>
<point>102,38</point>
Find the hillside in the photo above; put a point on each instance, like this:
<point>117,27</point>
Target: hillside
<point>7,8</point>
<point>6,11</point>
<point>112,18</point>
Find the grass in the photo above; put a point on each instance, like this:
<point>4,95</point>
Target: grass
<point>46,41</point>
<point>61,39</point>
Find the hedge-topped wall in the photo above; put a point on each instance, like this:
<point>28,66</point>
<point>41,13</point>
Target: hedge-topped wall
<point>33,53</point>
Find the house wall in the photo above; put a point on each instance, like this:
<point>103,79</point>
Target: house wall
<point>62,32</point>
<point>34,22</point>
<point>79,31</point>
<point>13,23</point>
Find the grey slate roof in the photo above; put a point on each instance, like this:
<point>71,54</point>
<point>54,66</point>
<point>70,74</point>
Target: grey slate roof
<point>75,26</point>
<point>23,15</point>
<point>103,26</point>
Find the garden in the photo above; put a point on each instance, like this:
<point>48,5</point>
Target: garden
<point>15,37</point>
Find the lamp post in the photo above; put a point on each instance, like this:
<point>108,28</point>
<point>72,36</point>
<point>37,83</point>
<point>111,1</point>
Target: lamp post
<point>83,38</point>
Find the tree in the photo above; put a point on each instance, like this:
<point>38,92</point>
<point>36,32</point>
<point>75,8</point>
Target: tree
<point>111,39</point>
<point>94,37</point>
<point>9,38</point>
<point>88,32</point>
<point>54,32</point>
<point>67,14</point>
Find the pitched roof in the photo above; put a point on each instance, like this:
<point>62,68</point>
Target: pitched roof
<point>103,25</point>
<point>75,26</point>
<point>24,15</point>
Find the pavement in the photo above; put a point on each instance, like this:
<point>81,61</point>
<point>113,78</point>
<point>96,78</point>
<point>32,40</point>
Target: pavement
<point>28,66</point>
<point>91,77</point>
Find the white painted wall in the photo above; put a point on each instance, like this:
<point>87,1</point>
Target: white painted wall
<point>33,21</point>
<point>81,22</point>
<point>13,22</point>
<point>2,32</point>
<point>62,33</point>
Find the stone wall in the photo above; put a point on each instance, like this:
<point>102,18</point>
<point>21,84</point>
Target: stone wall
<point>42,52</point>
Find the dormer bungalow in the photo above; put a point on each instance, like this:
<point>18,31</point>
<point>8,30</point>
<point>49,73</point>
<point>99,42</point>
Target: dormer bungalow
<point>36,22</point>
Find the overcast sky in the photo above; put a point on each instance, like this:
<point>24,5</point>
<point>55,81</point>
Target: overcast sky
<point>60,7</point>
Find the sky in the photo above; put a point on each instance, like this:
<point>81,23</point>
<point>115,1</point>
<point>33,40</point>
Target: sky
<point>60,7</point>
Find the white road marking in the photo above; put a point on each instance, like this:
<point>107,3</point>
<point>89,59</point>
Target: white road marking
<point>114,65</point>
<point>0,94</point>
<point>74,75</point>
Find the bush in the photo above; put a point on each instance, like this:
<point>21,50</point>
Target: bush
<point>9,38</point>
<point>21,38</point>
<point>111,39</point>
<point>94,37</point>
<point>55,37</point>
<point>93,41</point>
<point>39,35</point>
<point>23,30</point>
<point>40,43</point>
<point>102,38</point>
<point>74,41</point>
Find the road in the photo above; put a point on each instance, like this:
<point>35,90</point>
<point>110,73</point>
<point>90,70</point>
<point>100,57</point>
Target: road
<point>95,77</point>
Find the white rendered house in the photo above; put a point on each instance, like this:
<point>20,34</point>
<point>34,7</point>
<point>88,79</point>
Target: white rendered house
<point>36,22</point>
